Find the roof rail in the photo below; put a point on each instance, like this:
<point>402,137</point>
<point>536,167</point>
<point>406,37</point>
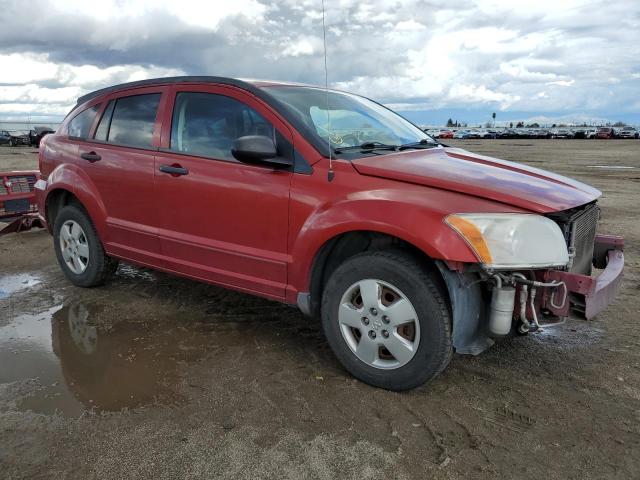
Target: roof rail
<point>165,81</point>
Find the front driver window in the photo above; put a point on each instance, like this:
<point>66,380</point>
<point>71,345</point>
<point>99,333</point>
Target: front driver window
<point>207,124</point>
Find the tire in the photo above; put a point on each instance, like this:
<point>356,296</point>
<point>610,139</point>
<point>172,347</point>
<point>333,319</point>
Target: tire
<point>11,142</point>
<point>427,336</point>
<point>93,266</point>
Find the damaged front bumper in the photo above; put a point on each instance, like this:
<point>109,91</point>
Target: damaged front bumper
<point>590,295</point>
<point>559,293</point>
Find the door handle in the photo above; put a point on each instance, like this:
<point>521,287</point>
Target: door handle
<point>174,170</point>
<point>91,156</point>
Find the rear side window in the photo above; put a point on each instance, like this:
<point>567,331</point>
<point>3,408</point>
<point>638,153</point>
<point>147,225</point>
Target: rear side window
<point>207,124</point>
<point>80,125</point>
<point>132,120</point>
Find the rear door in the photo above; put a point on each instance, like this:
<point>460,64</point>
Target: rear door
<point>120,161</point>
<point>222,220</point>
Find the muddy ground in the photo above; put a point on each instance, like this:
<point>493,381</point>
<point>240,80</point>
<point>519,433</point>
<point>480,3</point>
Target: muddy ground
<point>154,376</point>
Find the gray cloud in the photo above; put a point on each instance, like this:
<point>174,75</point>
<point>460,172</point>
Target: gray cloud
<point>538,57</point>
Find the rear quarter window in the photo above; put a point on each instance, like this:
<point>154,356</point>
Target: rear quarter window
<point>80,125</point>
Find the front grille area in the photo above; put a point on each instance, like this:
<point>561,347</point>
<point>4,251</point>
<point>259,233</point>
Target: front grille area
<point>579,228</point>
<point>22,184</point>
<point>583,237</point>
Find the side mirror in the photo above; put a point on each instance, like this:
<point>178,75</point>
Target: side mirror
<point>258,149</point>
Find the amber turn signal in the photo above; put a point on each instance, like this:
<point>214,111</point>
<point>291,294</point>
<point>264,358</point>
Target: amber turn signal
<point>472,235</point>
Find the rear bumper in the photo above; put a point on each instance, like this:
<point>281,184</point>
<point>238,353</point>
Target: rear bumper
<point>591,295</point>
<point>13,205</point>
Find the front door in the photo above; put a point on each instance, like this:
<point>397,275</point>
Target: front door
<point>222,220</point>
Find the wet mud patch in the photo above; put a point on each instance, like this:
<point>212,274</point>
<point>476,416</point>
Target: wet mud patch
<point>573,334</point>
<point>83,364</point>
<point>10,284</point>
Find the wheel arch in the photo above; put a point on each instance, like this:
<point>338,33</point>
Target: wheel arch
<point>334,251</point>
<point>57,199</point>
<point>461,290</point>
<point>68,184</point>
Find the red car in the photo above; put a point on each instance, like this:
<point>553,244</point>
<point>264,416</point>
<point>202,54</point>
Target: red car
<point>405,249</point>
<point>446,134</point>
<point>17,193</point>
<point>606,132</point>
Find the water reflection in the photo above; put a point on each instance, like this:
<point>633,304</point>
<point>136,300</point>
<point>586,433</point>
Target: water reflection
<point>84,361</point>
<point>10,284</point>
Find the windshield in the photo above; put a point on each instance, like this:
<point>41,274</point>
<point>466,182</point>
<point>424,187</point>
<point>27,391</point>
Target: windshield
<point>349,121</point>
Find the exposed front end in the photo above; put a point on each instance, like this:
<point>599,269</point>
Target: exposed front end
<point>534,270</point>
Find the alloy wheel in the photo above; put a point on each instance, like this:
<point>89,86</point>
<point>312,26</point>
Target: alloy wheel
<point>74,247</point>
<point>379,324</point>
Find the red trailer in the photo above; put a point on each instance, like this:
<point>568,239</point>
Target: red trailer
<point>18,205</point>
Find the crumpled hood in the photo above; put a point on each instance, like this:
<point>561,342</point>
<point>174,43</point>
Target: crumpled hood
<point>458,170</point>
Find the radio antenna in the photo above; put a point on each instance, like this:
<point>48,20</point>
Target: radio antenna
<point>330,174</point>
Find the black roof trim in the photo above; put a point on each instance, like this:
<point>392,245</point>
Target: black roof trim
<point>167,81</point>
<point>278,106</point>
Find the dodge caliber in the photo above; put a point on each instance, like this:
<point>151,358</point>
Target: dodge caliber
<point>407,250</point>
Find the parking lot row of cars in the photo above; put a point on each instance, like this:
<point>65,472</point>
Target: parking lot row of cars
<point>574,132</point>
<point>33,137</point>
<point>30,138</point>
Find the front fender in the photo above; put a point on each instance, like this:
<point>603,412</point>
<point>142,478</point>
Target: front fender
<point>75,180</point>
<point>412,213</point>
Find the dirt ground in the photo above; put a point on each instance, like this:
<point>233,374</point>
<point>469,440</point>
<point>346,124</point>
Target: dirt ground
<point>154,376</point>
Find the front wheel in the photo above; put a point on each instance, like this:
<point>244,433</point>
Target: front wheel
<point>79,250</point>
<point>387,320</point>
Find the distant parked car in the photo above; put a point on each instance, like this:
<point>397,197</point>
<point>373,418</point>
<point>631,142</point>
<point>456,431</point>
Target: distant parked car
<point>563,133</point>
<point>5,137</point>
<point>37,134</point>
<point>432,132</point>
<point>13,138</point>
<point>474,134</point>
<point>462,134</point>
<point>508,133</point>
<point>445,133</point>
<point>543,133</point>
<point>591,133</point>
<point>580,133</point>
<point>606,132</point>
<point>522,133</point>
<point>485,134</point>
<point>628,132</point>
<point>19,138</point>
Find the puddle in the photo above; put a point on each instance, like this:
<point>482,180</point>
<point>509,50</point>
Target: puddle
<point>10,284</point>
<point>83,364</point>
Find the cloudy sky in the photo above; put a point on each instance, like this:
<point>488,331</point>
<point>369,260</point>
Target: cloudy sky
<point>555,59</point>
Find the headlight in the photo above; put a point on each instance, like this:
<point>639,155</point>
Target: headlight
<point>512,240</point>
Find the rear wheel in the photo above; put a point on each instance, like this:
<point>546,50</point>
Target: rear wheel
<point>11,143</point>
<point>387,320</point>
<point>79,250</point>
